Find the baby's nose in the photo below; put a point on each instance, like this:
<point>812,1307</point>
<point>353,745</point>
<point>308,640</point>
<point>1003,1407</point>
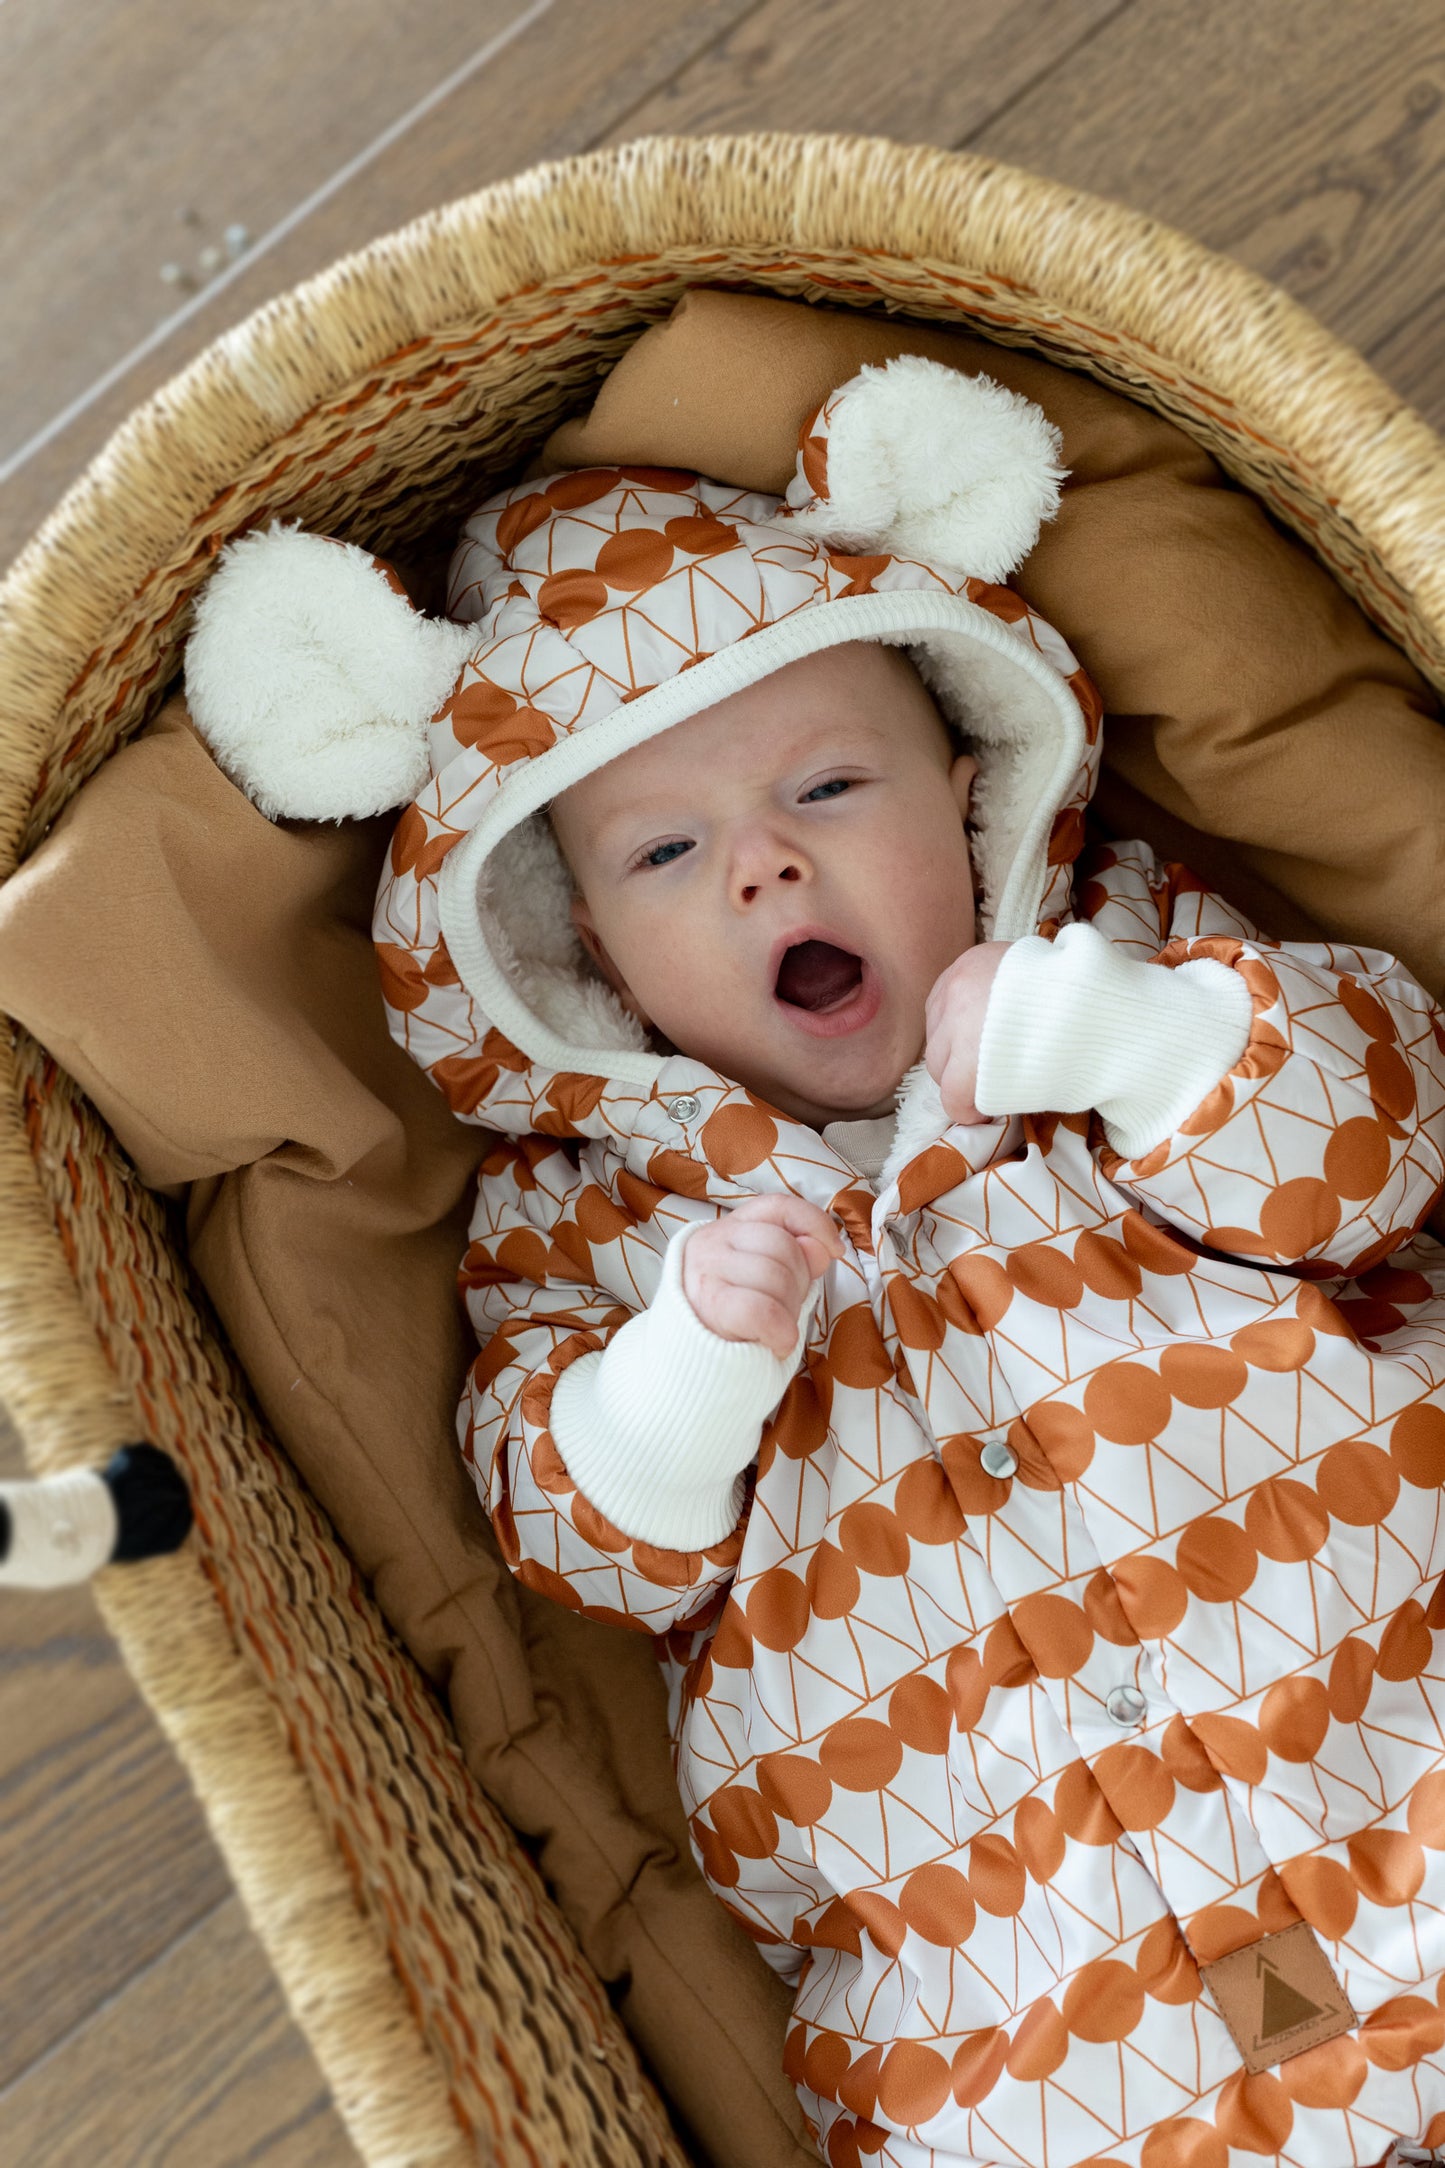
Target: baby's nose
<point>763,855</point>
<point>748,889</point>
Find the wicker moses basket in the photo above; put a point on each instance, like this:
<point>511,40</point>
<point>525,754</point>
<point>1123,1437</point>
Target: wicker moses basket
<point>441,1989</point>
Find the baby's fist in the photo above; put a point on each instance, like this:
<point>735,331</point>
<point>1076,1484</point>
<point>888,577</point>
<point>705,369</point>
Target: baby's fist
<point>954,1014</point>
<point>747,1274</point>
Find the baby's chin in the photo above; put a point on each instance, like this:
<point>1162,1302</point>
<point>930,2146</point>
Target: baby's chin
<point>820,1116</point>
<point>815,1087</point>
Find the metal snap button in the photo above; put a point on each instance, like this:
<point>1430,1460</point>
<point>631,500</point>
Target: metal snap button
<point>999,1459</point>
<point>685,1108</point>
<point>1126,1705</point>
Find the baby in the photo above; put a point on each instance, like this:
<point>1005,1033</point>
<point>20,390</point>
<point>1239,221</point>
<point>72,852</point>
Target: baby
<point>967,1300</point>
<point>799,947</point>
<point>780,886</point>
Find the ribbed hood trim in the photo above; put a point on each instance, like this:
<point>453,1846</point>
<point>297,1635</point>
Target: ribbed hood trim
<point>944,626</point>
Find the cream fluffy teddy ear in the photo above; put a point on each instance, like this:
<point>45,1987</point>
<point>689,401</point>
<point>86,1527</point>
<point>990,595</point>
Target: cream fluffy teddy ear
<point>312,679</point>
<point>918,460</point>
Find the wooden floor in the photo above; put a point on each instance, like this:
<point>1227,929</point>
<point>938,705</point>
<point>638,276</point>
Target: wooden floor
<point>139,2022</point>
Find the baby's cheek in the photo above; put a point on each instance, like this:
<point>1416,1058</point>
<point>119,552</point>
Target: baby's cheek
<point>935,911</point>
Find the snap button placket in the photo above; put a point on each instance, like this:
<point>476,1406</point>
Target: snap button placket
<point>684,1108</point>
<point>1126,1706</point>
<point>998,1459</point>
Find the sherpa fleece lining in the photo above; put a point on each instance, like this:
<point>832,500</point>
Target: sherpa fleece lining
<point>998,690</point>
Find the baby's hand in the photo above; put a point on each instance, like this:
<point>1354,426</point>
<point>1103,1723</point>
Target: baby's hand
<point>747,1274</point>
<point>954,1014</point>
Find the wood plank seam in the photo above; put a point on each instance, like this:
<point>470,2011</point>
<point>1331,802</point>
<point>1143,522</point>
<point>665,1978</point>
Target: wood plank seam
<point>1035,82</point>
<point>116,1995</point>
<point>702,52</point>
<point>330,187</point>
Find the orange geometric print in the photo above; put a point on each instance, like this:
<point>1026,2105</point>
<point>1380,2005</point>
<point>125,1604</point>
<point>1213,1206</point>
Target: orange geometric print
<point>1082,1621</point>
<point>893,1744</point>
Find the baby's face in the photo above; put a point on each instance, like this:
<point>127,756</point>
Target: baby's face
<point>820,807</point>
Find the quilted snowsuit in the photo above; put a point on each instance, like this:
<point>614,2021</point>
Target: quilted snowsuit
<point>1066,1422</point>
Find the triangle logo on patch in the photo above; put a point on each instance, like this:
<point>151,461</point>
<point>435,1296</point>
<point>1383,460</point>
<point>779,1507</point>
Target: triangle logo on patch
<point>1283,2006</point>
<point>1279,1996</point>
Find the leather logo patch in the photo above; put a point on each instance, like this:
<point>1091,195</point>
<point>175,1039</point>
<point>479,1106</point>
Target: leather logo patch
<point>1278,1996</point>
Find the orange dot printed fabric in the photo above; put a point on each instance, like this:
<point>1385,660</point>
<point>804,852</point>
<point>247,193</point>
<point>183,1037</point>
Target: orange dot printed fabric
<point>1081,1624</point>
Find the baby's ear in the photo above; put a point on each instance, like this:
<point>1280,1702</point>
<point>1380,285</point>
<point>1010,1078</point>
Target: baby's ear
<point>960,780</point>
<point>580,912</point>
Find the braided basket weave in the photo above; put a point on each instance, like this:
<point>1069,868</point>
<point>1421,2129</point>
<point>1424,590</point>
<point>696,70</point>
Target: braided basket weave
<point>443,1993</point>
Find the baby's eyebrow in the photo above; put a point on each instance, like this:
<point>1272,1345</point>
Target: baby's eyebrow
<point>840,742</point>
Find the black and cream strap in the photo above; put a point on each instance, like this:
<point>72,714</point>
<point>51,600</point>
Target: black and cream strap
<point>60,1529</point>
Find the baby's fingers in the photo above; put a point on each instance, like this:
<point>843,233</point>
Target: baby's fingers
<point>765,1260</point>
<point>743,1313</point>
<point>797,1216</point>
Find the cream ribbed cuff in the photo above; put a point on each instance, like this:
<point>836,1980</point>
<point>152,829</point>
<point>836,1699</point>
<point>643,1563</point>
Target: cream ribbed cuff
<point>656,1428</point>
<point>1075,1023</point>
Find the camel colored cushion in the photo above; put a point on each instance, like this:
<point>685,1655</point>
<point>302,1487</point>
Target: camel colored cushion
<point>208,978</point>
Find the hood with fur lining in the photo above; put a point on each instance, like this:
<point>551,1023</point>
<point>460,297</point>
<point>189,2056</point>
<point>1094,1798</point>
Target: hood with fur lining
<point>591,610</point>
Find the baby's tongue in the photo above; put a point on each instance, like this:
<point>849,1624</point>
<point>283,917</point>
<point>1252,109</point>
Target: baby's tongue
<point>815,974</point>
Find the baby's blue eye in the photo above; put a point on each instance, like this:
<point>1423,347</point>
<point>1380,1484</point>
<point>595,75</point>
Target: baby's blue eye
<point>652,857</point>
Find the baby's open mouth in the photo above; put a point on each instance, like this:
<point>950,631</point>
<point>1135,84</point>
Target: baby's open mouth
<point>816,975</point>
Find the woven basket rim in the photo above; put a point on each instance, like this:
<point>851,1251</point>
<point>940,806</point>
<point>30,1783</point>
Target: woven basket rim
<point>1207,316</point>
